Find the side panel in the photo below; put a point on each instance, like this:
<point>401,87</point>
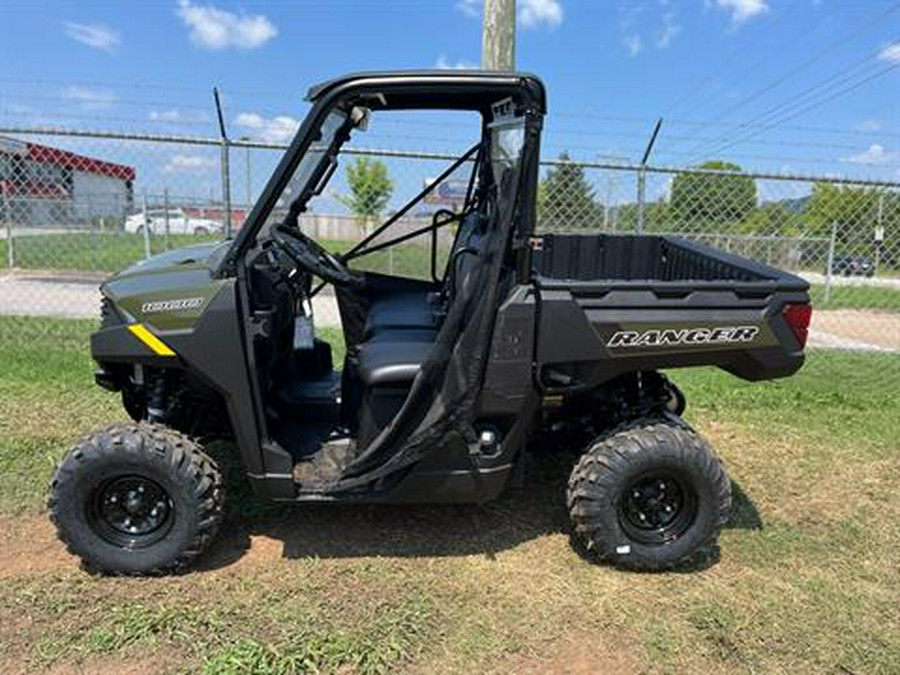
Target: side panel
<point>584,340</point>
<point>210,346</point>
<point>214,350</point>
<point>509,376</point>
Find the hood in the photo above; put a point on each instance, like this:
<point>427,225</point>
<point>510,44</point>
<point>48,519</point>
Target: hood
<point>203,256</point>
<point>168,291</point>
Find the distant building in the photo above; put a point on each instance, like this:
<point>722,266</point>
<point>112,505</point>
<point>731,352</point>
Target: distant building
<point>44,186</point>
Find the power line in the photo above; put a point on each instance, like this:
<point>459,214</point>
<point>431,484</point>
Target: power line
<point>691,92</point>
<point>812,105</point>
<point>816,57</point>
<point>827,84</point>
<point>200,91</point>
<point>721,123</point>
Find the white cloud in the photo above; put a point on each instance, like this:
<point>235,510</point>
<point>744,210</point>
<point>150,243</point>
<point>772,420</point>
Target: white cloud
<point>891,53</point>
<point>177,116</point>
<point>633,44</point>
<point>876,154</point>
<point>88,98</point>
<point>189,164</point>
<point>471,8</point>
<point>869,125</point>
<point>170,115</point>
<point>529,13</point>
<point>643,26</point>
<point>742,10</point>
<point>273,130</point>
<point>213,28</point>
<point>670,29</point>
<point>94,35</point>
<point>533,13</point>
<point>444,64</point>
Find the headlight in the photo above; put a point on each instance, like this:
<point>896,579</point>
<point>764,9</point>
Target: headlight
<point>109,316</point>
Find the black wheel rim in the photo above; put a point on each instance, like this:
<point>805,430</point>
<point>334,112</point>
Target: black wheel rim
<point>657,509</point>
<point>131,511</point>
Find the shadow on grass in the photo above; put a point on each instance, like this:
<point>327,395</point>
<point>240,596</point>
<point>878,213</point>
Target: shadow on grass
<point>396,531</point>
<point>744,514</point>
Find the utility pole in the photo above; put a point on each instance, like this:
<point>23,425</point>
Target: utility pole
<point>498,50</point>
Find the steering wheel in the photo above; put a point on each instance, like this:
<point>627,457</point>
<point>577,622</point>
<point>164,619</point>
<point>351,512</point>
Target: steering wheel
<point>444,216</point>
<point>313,257</point>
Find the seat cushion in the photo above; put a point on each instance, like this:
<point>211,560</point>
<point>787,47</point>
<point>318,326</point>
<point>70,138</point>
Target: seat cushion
<point>402,310</point>
<point>392,361</point>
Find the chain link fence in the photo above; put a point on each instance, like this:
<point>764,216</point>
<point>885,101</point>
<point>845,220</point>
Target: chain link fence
<point>77,206</point>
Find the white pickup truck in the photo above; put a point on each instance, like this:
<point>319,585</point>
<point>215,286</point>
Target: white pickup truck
<point>179,222</point>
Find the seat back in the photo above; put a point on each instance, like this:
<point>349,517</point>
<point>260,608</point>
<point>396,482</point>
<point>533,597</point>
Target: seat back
<point>464,258</point>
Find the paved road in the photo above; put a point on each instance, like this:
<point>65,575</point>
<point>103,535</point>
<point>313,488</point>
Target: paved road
<point>58,297</point>
<point>879,282</point>
<point>824,340</point>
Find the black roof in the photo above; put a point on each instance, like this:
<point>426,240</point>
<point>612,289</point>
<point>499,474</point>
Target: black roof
<point>450,89</point>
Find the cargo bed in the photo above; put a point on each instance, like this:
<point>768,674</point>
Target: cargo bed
<point>632,302</point>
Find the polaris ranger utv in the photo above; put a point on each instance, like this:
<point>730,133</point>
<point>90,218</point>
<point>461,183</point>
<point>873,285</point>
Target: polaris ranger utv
<point>447,381</point>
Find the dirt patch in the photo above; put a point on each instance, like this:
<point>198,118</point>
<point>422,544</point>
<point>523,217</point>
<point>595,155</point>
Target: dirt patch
<point>864,325</point>
<point>119,664</point>
<point>580,654</point>
<point>28,544</point>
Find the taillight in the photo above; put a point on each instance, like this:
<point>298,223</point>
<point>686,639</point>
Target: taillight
<point>797,318</point>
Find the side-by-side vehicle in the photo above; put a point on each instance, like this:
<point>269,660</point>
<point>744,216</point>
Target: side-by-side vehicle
<point>447,382</point>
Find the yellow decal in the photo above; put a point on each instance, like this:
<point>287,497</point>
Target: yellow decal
<point>159,347</point>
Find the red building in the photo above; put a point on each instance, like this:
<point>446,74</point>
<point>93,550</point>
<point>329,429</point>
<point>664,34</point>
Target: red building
<point>44,186</point>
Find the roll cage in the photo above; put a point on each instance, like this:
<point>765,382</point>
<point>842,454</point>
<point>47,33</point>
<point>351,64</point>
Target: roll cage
<point>420,90</point>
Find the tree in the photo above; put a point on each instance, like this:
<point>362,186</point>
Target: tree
<point>566,198</point>
<point>856,211</point>
<point>711,202</point>
<point>370,188</point>
<point>774,218</point>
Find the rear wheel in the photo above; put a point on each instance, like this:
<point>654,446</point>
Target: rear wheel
<point>201,230</point>
<point>650,496</point>
<point>136,499</point>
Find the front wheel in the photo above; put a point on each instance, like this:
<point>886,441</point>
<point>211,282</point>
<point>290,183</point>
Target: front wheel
<point>651,496</point>
<point>136,499</point>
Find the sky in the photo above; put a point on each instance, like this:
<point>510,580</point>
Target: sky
<point>799,86</point>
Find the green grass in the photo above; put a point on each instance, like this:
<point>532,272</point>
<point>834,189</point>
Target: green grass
<point>807,580</point>
<point>856,297</point>
<point>89,252</point>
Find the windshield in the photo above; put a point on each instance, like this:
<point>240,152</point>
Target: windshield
<point>317,155</point>
<point>507,141</point>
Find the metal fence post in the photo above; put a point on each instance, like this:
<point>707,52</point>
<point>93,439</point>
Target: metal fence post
<point>830,263</point>
<point>224,164</point>
<point>10,244</point>
<point>92,235</point>
<point>641,189</point>
<point>226,188</point>
<point>166,216</point>
<point>146,226</point>
<point>249,182</point>
<point>879,232</point>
